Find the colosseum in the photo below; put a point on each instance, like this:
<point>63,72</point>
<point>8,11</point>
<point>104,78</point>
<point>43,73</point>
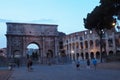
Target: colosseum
<point>86,44</point>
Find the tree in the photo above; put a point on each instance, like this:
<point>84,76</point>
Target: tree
<point>102,17</point>
<point>112,6</point>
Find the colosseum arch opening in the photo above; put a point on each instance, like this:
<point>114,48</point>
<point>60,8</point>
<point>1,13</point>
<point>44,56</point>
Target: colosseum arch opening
<point>20,35</point>
<point>33,51</point>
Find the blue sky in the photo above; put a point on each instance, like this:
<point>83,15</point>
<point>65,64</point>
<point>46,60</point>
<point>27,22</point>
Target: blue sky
<point>68,14</point>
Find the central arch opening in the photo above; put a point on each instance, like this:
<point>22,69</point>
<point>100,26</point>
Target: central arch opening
<point>33,51</point>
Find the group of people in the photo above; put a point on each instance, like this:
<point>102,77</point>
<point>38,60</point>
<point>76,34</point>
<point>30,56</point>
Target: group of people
<point>94,62</point>
<point>78,64</point>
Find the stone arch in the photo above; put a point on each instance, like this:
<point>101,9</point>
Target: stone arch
<point>82,55</point>
<point>97,43</point>
<point>77,55</point>
<point>98,55</point>
<point>81,45</point>
<point>91,43</point>
<point>20,35</point>
<point>86,44</point>
<point>77,45</point>
<point>111,53</point>
<point>34,42</point>
<point>91,55</point>
<point>73,46</point>
<point>86,55</point>
<point>33,50</point>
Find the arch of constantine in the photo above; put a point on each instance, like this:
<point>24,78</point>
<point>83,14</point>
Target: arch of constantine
<point>20,35</point>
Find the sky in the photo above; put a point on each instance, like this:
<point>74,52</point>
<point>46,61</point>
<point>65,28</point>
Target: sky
<point>67,14</point>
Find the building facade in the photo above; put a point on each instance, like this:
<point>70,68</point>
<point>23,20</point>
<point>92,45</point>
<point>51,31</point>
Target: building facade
<point>52,44</point>
<point>20,35</point>
<point>86,44</point>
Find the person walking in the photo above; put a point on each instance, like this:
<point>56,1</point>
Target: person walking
<point>88,63</point>
<point>78,64</point>
<point>29,64</point>
<point>94,61</point>
<point>18,63</point>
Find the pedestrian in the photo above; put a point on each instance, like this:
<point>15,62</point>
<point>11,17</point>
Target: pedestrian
<point>94,61</point>
<point>78,64</point>
<point>29,64</point>
<point>88,63</point>
<point>18,63</point>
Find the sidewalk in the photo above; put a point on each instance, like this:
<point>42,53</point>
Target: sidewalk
<point>64,72</point>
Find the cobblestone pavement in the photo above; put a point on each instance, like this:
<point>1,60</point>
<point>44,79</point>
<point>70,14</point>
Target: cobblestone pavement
<point>64,72</point>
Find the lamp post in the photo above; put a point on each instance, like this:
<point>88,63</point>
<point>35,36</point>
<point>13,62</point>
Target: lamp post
<point>100,33</point>
<point>72,52</point>
<point>113,24</point>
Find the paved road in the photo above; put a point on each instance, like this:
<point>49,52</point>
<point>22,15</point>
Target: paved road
<point>64,72</point>
<point>4,74</point>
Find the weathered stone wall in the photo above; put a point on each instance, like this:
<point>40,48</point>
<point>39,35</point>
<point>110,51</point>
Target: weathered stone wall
<point>20,35</point>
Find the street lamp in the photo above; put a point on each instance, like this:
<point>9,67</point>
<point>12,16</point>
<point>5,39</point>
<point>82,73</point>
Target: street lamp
<point>113,24</point>
<point>72,52</point>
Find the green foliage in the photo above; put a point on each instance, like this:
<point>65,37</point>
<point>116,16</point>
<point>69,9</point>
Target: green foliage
<point>112,5</point>
<point>102,16</point>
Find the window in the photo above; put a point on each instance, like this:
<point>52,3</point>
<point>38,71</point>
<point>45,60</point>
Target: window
<point>81,38</point>
<point>97,42</point>
<point>76,36</point>
<point>110,42</point>
<point>86,44</point>
<point>91,43</point>
<point>81,45</point>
